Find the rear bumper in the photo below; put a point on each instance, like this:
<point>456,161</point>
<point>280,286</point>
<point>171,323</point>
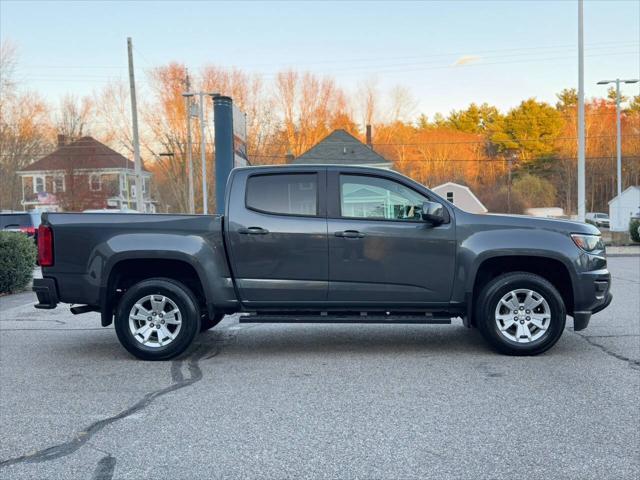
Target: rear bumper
<point>47,293</point>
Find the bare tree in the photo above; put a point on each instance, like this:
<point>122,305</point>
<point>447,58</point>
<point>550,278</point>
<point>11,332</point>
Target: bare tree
<point>367,101</point>
<point>112,117</point>
<point>74,116</point>
<point>402,104</point>
<point>25,130</point>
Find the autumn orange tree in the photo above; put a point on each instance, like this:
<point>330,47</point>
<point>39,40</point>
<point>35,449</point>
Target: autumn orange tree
<point>290,112</point>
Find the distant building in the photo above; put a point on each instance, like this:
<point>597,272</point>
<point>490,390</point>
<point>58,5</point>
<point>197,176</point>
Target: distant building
<point>342,148</point>
<point>622,207</point>
<point>461,196</point>
<point>545,212</point>
<point>82,174</point>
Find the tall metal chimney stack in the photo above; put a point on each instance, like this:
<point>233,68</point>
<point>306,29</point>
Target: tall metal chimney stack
<point>369,143</point>
<point>289,157</point>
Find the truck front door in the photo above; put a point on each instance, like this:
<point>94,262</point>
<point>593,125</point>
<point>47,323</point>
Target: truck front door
<point>277,236</point>
<point>381,252</point>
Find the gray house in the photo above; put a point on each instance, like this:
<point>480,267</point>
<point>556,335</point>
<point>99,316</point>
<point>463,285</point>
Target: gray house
<point>342,148</point>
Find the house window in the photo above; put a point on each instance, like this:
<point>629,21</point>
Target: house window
<point>58,183</point>
<point>95,182</point>
<point>38,185</point>
<point>450,197</point>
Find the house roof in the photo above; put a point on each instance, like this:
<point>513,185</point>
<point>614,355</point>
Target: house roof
<point>85,152</point>
<point>464,187</point>
<point>628,189</point>
<point>341,148</point>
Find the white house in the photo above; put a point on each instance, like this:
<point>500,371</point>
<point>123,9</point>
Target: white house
<point>461,196</point>
<point>623,207</point>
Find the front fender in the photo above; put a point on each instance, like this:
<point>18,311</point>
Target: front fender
<point>483,245</point>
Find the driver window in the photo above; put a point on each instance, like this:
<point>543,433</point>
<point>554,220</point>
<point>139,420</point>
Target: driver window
<point>378,198</point>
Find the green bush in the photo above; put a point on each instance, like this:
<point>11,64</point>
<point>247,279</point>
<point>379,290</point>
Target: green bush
<point>634,225</point>
<point>17,261</point>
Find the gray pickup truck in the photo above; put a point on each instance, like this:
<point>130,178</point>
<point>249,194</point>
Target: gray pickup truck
<point>303,244</point>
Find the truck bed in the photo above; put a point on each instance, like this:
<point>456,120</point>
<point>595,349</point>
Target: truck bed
<point>88,246</point>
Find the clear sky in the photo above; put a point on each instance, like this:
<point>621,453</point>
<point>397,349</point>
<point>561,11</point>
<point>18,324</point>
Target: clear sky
<point>447,53</point>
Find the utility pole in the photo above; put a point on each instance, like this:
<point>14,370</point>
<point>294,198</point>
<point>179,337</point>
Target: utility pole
<point>192,206</point>
<point>618,81</point>
<point>581,146</point>
<point>203,144</point>
<point>136,139</point>
<point>510,165</point>
<point>203,156</point>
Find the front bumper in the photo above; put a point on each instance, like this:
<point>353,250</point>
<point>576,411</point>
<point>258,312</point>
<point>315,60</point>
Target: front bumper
<point>47,293</point>
<point>592,296</point>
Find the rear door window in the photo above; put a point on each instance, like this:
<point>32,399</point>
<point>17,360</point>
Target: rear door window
<point>283,194</point>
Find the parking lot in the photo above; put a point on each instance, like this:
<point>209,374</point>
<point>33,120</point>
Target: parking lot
<point>320,401</point>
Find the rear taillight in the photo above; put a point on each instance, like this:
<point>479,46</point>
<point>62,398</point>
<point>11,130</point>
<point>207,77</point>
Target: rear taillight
<point>45,246</point>
<point>28,230</point>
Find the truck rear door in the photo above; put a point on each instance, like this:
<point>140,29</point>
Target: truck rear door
<point>277,236</point>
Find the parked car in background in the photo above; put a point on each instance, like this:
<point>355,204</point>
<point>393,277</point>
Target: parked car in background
<point>25,222</point>
<point>598,219</point>
<point>111,210</point>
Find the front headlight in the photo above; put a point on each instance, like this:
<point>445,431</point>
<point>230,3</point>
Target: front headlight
<point>588,243</point>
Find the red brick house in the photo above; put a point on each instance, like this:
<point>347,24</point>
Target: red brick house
<point>82,174</point>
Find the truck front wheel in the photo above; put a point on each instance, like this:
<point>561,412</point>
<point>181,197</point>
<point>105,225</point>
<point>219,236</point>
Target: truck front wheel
<point>520,313</point>
<point>157,319</point>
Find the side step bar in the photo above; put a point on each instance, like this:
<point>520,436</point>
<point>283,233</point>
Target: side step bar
<point>349,318</point>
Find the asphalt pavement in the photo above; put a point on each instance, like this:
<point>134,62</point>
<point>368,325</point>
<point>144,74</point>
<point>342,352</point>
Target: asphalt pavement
<point>320,401</point>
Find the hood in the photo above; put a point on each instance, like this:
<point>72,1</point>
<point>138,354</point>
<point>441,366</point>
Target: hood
<point>524,221</point>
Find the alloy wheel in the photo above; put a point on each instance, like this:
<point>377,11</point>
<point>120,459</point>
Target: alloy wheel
<point>155,321</point>
<point>523,315</point>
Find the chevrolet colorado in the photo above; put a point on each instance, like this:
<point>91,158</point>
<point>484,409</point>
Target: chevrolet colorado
<point>308,243</point>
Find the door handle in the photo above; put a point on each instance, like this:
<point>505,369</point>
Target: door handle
<point>253,231</point>
<point>350,234</point>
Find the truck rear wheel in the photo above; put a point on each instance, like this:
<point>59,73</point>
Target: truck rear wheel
<point>520,313</point>
<point>157,319</point>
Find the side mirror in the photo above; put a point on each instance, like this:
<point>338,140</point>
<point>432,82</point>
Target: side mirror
<point>433,212</point>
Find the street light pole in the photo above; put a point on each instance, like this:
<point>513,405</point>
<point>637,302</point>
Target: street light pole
<point>203,156</point>
<point>192,206</point>
<point>618,139</point>
<point>203,153</point>
<point>618,81</point>
<point>581,132</point>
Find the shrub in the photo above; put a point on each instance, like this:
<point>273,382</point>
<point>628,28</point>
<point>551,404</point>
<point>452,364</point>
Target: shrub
<point>17,261</point>
<point>534,191</point>
<point>634,225</point>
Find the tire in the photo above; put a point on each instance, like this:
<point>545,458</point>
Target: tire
<point>207,323</point>
<point>176,332</point>
<point>511,334</point>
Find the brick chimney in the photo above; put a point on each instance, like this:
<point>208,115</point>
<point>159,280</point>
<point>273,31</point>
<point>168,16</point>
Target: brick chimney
<point>62,140</point>
<point>289,157</point>
<point>369,142</point>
